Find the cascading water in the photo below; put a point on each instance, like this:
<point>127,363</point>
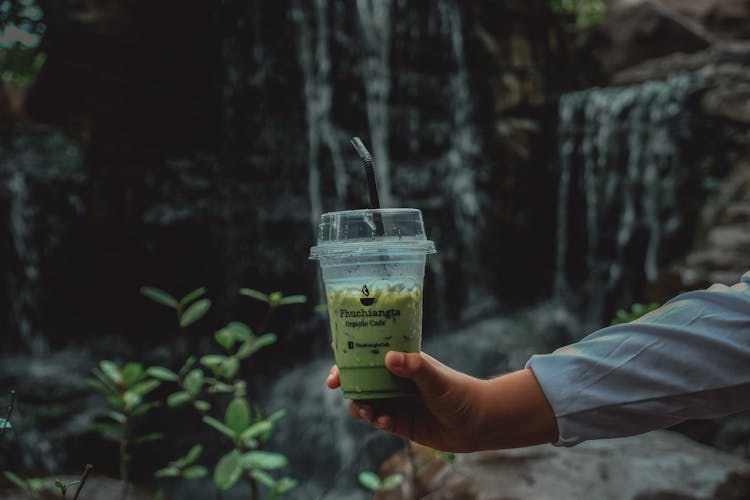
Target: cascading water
<point>23,285</point>
<point>461,162</point>
<point>619,153</point>
<point>313,39</point>
<point>375,19</point>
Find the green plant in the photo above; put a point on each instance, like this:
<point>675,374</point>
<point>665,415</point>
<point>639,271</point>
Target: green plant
<point>5,422</point>
<point>636,311</point>
<point>37,487</point>
<point>372,481</point>
<point>200,381</point>
<point>21,31</point>
<point>124,387</point>
<point>189,309</point>
<point>586,13</point>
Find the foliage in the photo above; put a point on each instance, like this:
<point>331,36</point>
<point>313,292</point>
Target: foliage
<point>21,31</point>
<point>34,487</point>
<point>635,312</point>
<point>37,487</point>
<point>586,13</point>
<point>372,482</point>
<point>124,387</point>
<point>200,380</point>
<point>5,422</point>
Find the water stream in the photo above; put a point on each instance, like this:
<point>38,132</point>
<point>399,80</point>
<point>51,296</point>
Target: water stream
<point>621,163</point>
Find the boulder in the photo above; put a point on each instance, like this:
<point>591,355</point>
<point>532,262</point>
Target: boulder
<point>658,465</point>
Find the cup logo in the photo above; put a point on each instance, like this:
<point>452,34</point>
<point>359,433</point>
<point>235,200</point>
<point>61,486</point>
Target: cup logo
<point>367,300</point>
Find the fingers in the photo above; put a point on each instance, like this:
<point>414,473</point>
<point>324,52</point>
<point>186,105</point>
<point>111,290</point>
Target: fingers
<point>431,377</point>
<point>333,381</point>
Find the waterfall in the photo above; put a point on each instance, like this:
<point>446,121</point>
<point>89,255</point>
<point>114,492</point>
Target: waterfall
<point>619,152</point>
<point>313,51</point>
<point>463,157</point>
<point>375,18</point>
<point>24,284</point>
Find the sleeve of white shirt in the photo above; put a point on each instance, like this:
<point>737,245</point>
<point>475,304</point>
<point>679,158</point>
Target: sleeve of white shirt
<point>688,359</point>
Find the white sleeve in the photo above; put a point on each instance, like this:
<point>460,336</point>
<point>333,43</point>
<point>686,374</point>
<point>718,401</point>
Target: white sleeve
<point>688,359</point>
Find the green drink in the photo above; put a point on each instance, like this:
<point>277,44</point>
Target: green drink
<point>374,292</point>
<point>366,324</point>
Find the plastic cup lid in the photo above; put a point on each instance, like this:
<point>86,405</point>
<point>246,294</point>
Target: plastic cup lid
<point>371,231</point>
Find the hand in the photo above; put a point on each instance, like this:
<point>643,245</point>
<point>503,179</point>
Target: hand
<point>442,418</point>
<point>456,412</point>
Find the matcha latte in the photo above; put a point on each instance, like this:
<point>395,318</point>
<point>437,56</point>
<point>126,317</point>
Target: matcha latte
<point>372,262</point>
<point>366,323</point>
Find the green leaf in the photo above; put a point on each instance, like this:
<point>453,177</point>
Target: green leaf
<point>292,299</point>
<point>177,398</point>
<point>116,402</point>
<point>118,417</point>
<point>111,387</point>
<point>392,481</point>
<point>111,371</point>
<point>187,366</point>
<point>35,484</point>
<point>370,480</point>
<point>201,405</point>
<point>60,485</point>
<point>98,386</point>
<point>212,361</point>
<point>274,298</point>
<point>228,470</point>
<point>160,296</point>
<point>145,387</point>
<point>193,382</point>
<point>161,373</point>
<point>284,485</point>
<point>256,429</point>
<point>228,369</point>
<point>195,472</point>
<point>15,479</point>
<point>254,294</point>
<point>168,471</point>
<point>198,292</point>
<point>131,399</point>
<point>254,344</point>
<point>147,438</point>
<point>266,460</point>
<point>219,426</point>
<point>194,312</point>
<point>132,373</point>
<point>108,430</point>
<point>219,387</point>
<point>5,424</point>
<point>263,478</point>
<point>143,408</point>
<point>240,331</point>
<point>237,416</point>
<point>225,338</point>
<point>276,416</point>
<point>192,455</point>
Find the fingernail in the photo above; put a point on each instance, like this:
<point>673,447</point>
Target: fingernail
<point>397,359</point>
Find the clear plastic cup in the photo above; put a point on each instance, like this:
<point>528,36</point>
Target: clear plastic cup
<point>373,264</point>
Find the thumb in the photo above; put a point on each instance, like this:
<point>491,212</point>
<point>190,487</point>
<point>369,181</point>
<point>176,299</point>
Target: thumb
<point>428,374</point>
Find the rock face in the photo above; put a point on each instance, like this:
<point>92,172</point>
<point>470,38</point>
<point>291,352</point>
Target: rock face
<point>638,30</point>
<point>658,465</point>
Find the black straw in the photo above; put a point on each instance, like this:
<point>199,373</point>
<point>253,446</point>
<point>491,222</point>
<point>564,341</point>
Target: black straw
<point>372,186</point>
<point>369,171</point>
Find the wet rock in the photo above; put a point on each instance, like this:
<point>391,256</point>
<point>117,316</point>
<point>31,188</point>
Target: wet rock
<point>659,465</point>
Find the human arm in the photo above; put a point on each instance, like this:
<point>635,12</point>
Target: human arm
<point>688,359</point>
<point>459,413</point>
